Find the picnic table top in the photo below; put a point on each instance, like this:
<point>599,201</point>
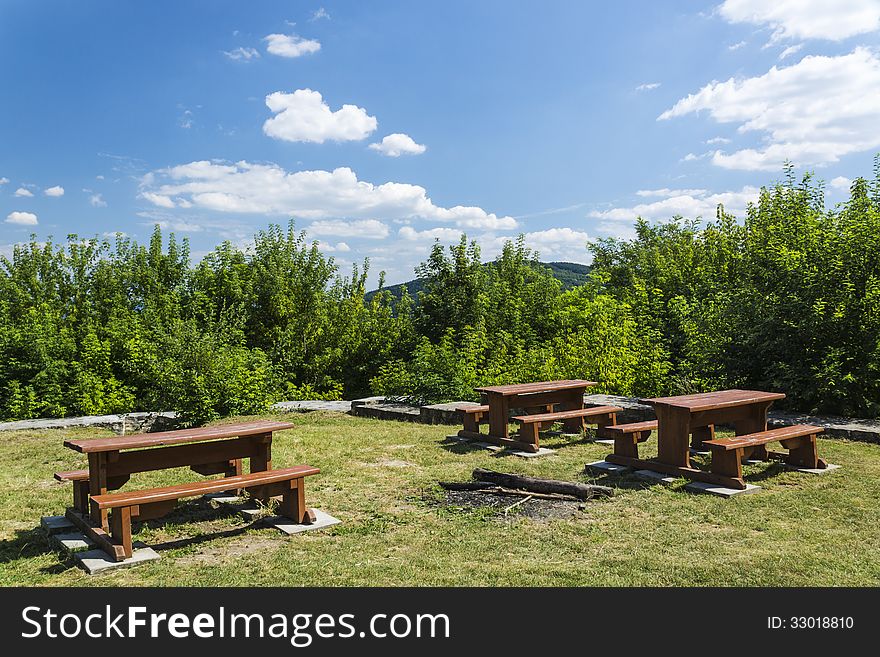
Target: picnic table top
<point>540,386</point>
<point>710,401</point>
<point>140,440</point>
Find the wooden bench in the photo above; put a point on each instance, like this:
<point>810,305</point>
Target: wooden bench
<point>530,425</point>
<point>472,416</point>
<point>157,502</point>
<point>627,437</point>
<point>799,440</point>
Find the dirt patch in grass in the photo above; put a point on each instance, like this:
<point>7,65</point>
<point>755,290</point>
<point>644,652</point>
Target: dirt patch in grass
<point>230,550</point>
<point>534,507</point>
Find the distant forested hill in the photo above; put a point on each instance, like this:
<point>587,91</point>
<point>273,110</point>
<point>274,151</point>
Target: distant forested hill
<point>570,274</point>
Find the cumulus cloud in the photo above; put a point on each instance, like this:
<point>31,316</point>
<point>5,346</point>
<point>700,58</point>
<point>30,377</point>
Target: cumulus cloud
<point>648,86</point>
<point>562,243</point>
<point>669,193</point>
<point>806,113</point>
<point>339,247</point>
<point>57,190</point>
<point>397,144</point>
<point>832,20</point>
<point>841,182</point>
<point>22,218</point>
<point>23,192</point>
<point>241,54</point>
<point>690,204</point>
<point>4,181</point>
<point>304,116</point>
<point>371,229</point>
<point>157,199</point>
<point>737,45</point>
<point>250,188</point>
<point>290,45</point>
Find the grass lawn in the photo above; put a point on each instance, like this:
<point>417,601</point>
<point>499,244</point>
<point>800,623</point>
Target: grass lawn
<point>380,478</point>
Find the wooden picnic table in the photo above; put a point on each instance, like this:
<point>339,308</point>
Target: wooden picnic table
<point>680,417</point>
<point>207,451</point>
<point>568,394</point>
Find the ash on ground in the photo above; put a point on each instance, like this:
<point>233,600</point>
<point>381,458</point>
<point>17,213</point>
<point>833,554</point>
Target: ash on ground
<point>535,508</point>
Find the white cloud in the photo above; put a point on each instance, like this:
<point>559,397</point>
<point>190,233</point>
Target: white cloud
<point>791,50</point>
<point>717,140</point>
<point>97,201</point>
<point>290,45</point>
<point>832,20</point>
<point>371,229</point>
<point>339,247</point>
<point>22,192</point>
<point>241,54</point>
<point>22,218</point>
<point>562,243</point>
<point>319,14</point>
<point>304,116</point>
<point>668,193</point>
<point>397,144</point>
<point>737,45</point>
<point>57,190</point>
<point>806,112</point>
<point>157,199</point>
<point>4,181</point>
<point>250,188</point>
<point>841,182</point>
<point>688,203</point>
<point>648,86</point>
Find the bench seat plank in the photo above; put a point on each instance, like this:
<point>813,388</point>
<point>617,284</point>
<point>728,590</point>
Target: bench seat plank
<point>567,415</point>
<point>473,409</point>
<point>141,440</point>
<point>72,475</point>
<point>632,427</point>
<point>763,437</point>
<point>150,495</point>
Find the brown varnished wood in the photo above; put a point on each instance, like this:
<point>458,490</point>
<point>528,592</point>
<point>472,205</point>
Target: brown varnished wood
<point>693,474</point>
<point>100,536</point>
<point>540,386</point>
<point>764,437</point>
<point>193,454</point>
<point>142,440</point>
<point>707,401</point>
<point>564,415</point>
<point>129,498</point>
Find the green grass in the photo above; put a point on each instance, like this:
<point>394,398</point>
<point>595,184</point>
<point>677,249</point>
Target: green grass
<point>380,478</point>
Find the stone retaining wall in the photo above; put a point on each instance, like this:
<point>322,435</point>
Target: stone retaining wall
<point>378,408</point>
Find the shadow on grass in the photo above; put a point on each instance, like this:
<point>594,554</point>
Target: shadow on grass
<point>26,544</point>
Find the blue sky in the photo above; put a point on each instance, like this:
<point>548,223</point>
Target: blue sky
<point>381,126</point>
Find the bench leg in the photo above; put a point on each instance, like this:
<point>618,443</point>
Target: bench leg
<point>627,445</point>
<point>803,452</point>
<point>81,496</point>
<point>528,433</point>
<point>120,529</point>
<point>471,421</point>
<point>699,434</point>
<point>728,463</point>
<point>293,504</point>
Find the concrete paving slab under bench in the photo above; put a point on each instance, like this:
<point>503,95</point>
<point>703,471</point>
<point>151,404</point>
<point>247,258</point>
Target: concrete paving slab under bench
<point>56,524</point>
<point>604,467</point>
<point>793,468</point>
<point>720,491</point>
<point>286,525</point>
<point>72,542</point>
<point>98,561</point>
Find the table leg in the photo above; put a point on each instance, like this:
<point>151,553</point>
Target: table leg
<point>98,486</point>
<point>498,412</point>
<point>754,421</point>
<point>673,434</point>
<point>573,400</point>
